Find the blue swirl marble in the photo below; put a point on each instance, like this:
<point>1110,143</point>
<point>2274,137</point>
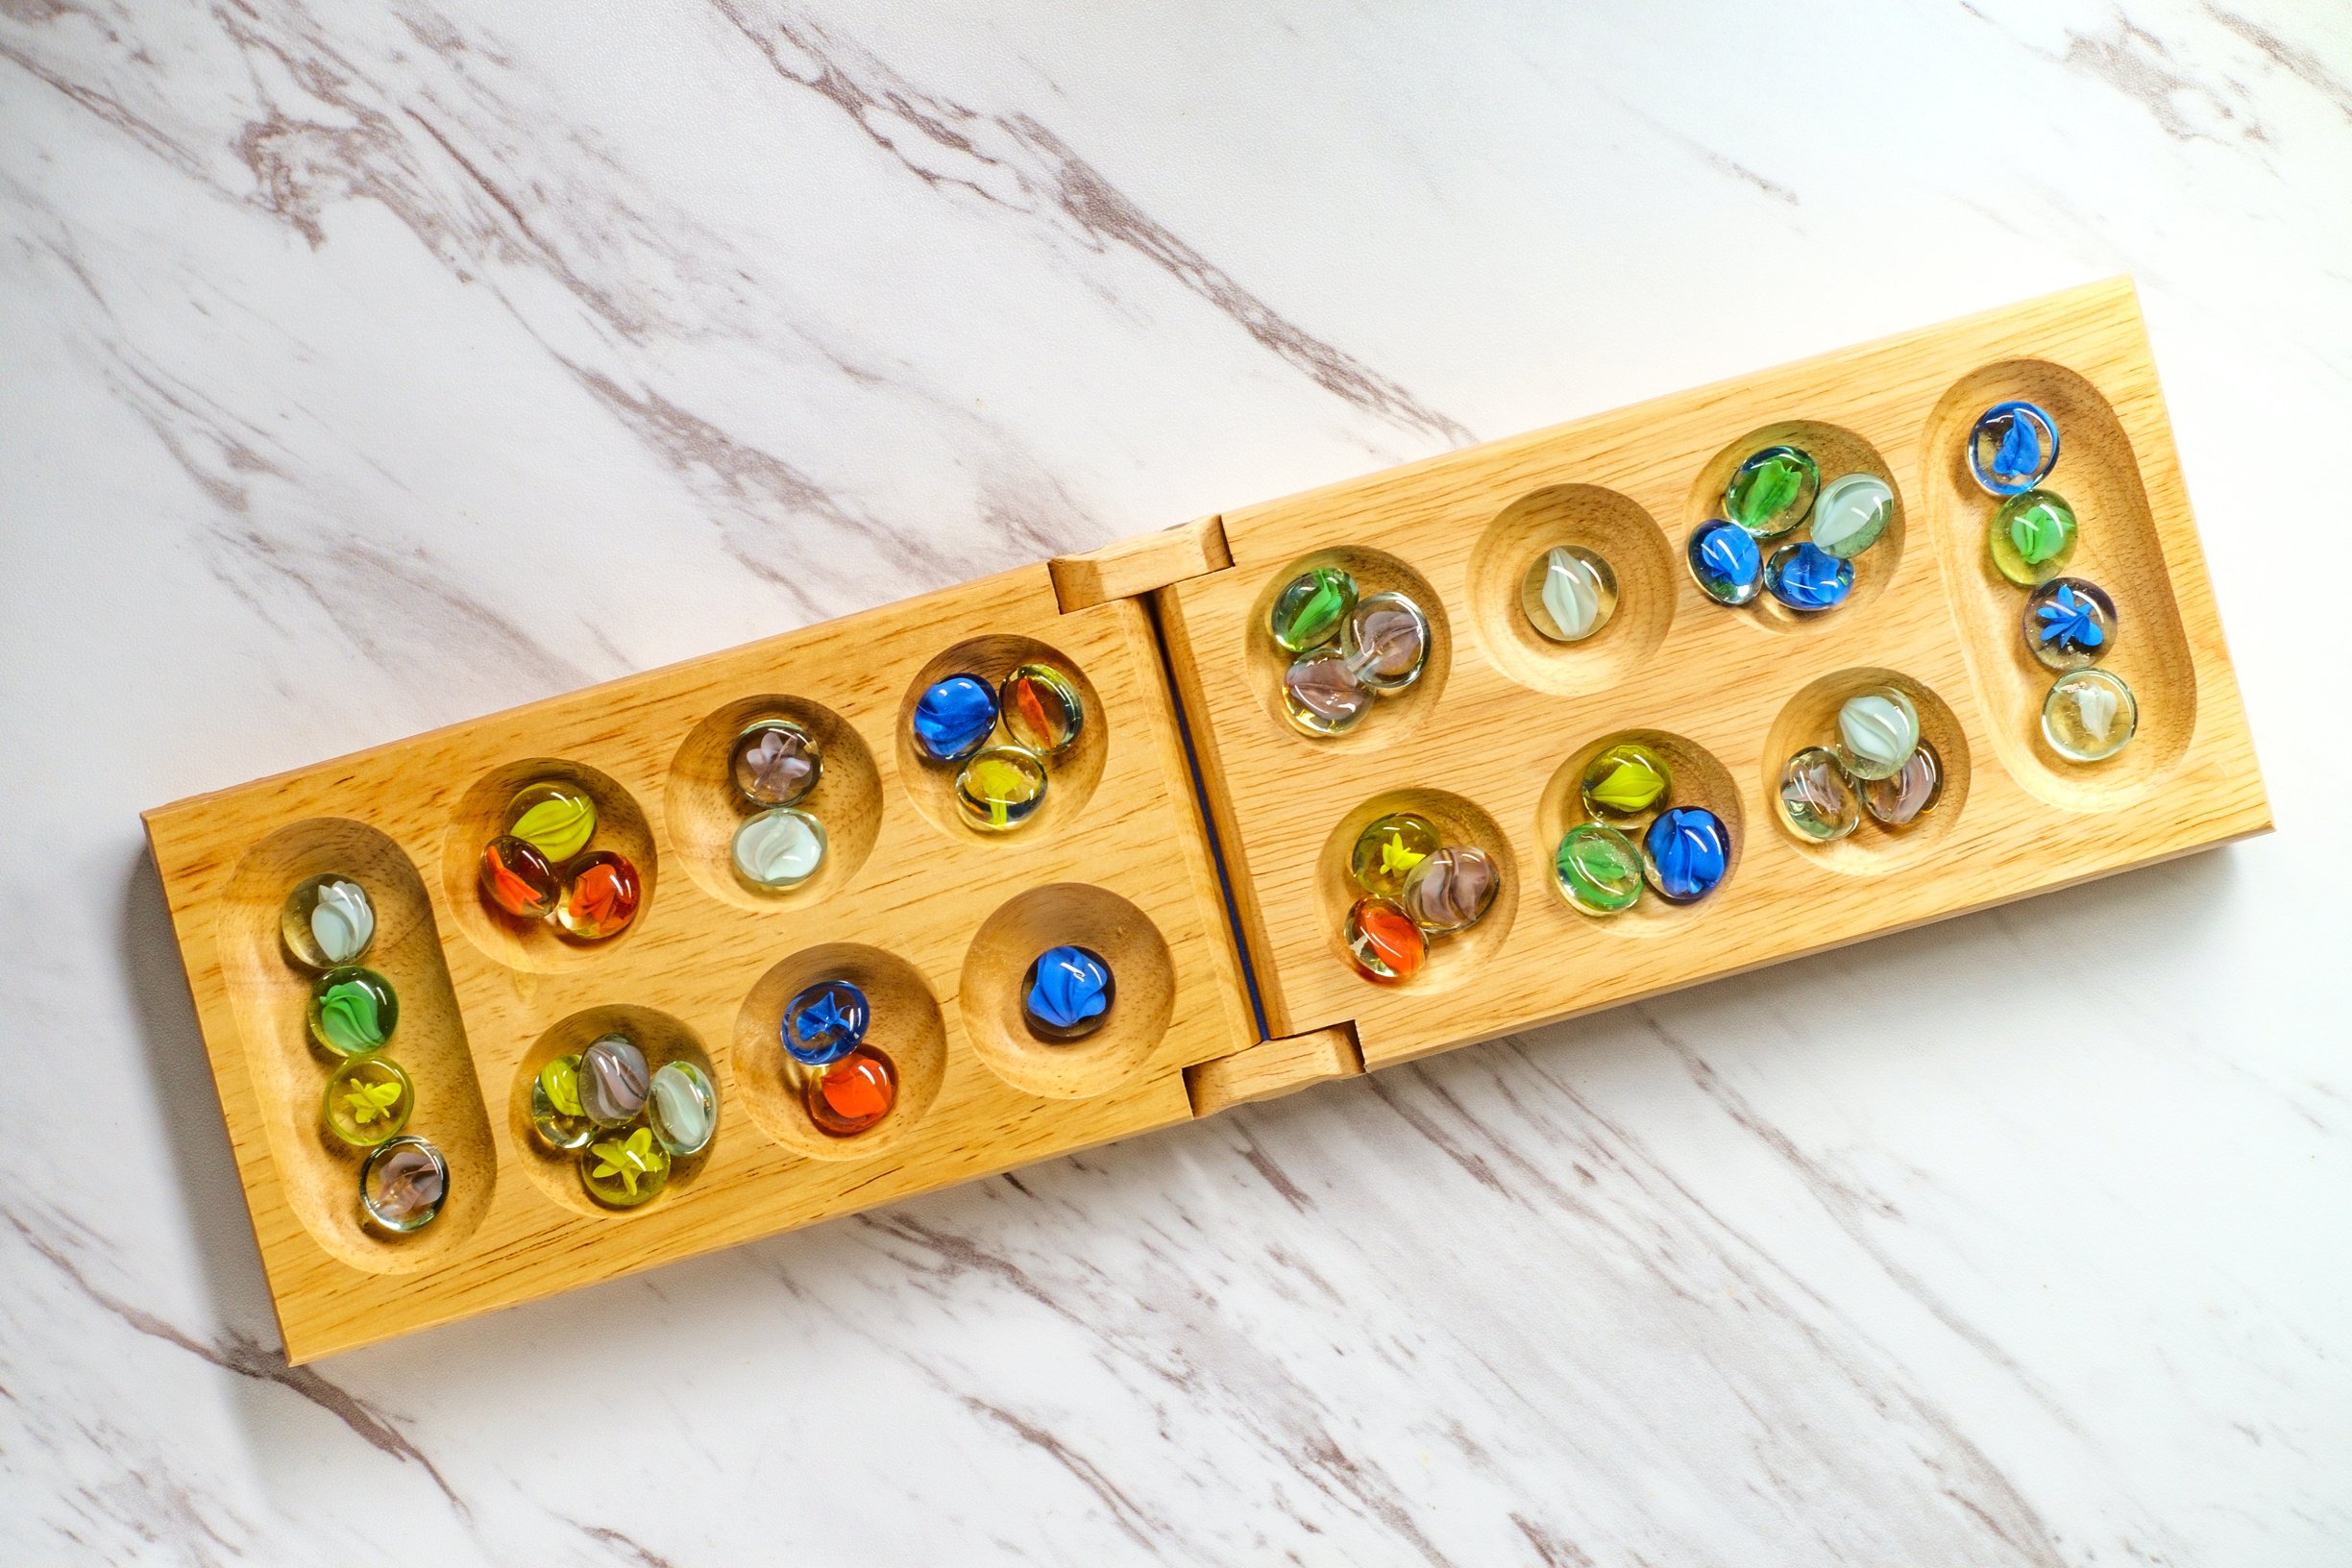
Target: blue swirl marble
<point>1725,562</point>
<point>1685,854</point>
<point>825,1023</point>
<point>1808,578</point>
<point>2013,448</point>
<point>1067,993</point>
<point>2070,619</point>
<point>954,718</point>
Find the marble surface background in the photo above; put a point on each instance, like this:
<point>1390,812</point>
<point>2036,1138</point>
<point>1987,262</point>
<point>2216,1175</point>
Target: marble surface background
<point>368,367</point>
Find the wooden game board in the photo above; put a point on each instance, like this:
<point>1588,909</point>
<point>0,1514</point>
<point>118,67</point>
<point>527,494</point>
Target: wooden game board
<point>937,921</point>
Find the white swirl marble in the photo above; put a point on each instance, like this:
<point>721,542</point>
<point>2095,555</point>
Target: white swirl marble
<point>342,921</point>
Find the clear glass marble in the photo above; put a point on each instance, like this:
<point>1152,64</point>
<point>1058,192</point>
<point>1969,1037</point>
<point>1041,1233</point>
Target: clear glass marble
<point>625,1167</point>
<point>1852,514</point>
<point>1311,608</point>
<point>1725,562</point>
<point>1569,593</point>
<point>777,850</point>
<point>403,1185</point>
<point>682,1108</point>
<point>352,1011</point>
<point>2013,448</point>
<point>555,1116</point>
<point>1322,696</point>
<point>1384,642</point>
<point>1451,890</point>
<point>1624,782</point>
<point>327,921</point>
<point>2090,715</point>
<point>1877,731</point>
<point>1685,854</point>
<point>1382,942</point>
<point>775,762</point>
<point>1817,798</point>
<point>368,1100</point>
<point>1806,577</point>
<point>2070,624</point>
<point>1042,709</point>
<point>1001,788</point>
<point>1388,848</point>
<point>1908,794</point>
<point>2032,537</point>
<point>1598,868</point>
<point>1771,493</point>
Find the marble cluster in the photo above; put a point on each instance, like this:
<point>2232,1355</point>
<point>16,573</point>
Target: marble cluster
<point>1683,852</point>
<point>1347,650</point>
<point>542,868</point>
<point>999,785</point>
<point>1773,491</point>
<point>846,1084</point>
<point>1876,767</point>
<point>625,1123</point>
<point>1414,885</point>
<point>2070,624</point>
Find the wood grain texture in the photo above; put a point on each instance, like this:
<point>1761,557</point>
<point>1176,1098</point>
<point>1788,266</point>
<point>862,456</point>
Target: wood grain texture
<point>1494,735</point>
<point>1273,1067</point>
<point>929,911</point>
<point>1131,567</point>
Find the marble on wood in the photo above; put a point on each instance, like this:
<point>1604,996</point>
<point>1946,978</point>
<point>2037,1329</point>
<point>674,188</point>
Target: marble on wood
<point>373,367</point>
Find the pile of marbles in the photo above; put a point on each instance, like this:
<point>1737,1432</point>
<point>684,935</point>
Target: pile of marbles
<point>1684,850</point>
<point>1000,786</point>
<point>625,1124</point>
<point>1877,765</point>
<point>1415,887</point>
<point>542,867</point>
<point>846,1085</point>
<point>1770,495</point>
<point>2070,624</point>
<point>774,764</point>
<point>1347,652</point>
<point>327,926</point>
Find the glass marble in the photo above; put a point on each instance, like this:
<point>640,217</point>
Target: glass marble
<point>1852,513</point>
<point>853,1093</point>
<point>780,847</point>
<point>1598,868</point>
<point>2013,448</point>
<point>1067,993</point>
<point>402,1184</point>
<point>825,1022</point>
<point>1382,942</point>
<point>556,1112</point>
<point>2032,537</point>
<point>554,818</point>
<point>1772,491</point>
<point>1451,890</point>
<point>682,1108</point>
<point>1817,797</point>
<point>774,763</point>
<point>1388,848</point>
<point>1685,854</point>
<point>1806,577</point>
<point>954,718</point>
<point>599,896</point>
<point>368,1100</point>
<point>518,879</point>
<point>1001,788</point>
<point>1042,709</point>
<point>1569,593</point>
<point>1725,562</point>
<point>626,1167</point>
<point>1909,792</point>
<point>1878,731</point>
<point>2070,622</point>
<point>1322,696</point>
<point>352,1011</point>
<point>327,921</point>
<point>1311,608</point>
<point>1385,642</point>
<point>2090,715</point>
<point>1625,781</point>
<point>612,1081</point>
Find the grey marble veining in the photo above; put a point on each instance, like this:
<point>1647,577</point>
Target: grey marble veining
<point>367,368</point>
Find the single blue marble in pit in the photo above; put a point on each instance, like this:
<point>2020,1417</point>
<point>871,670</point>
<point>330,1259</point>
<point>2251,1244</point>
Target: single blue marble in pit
<point>1685,854</point>
<point>954,718</point>
<point>1725,562</point>
<point>1067,995</point>
<point>1807,578</point>
<point>2013,448</point>
<point>825,1023</point>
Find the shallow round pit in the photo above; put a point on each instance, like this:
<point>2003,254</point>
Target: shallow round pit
<point>1453,958</point>
<point>1070,777</point>
<point>701,808</point>
<point>1614,527</point>
<point>1394,714</point>
<point>270,998</point>
<point>1142,973</point>
<point>1698,780</point>
<point>663,1038</point>
<point>1837,452</point>
<point>906,1026</point>
<point>540,945</point>
<point>1810,718</point>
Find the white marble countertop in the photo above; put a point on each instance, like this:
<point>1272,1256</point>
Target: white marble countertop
<point>370,367</point>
